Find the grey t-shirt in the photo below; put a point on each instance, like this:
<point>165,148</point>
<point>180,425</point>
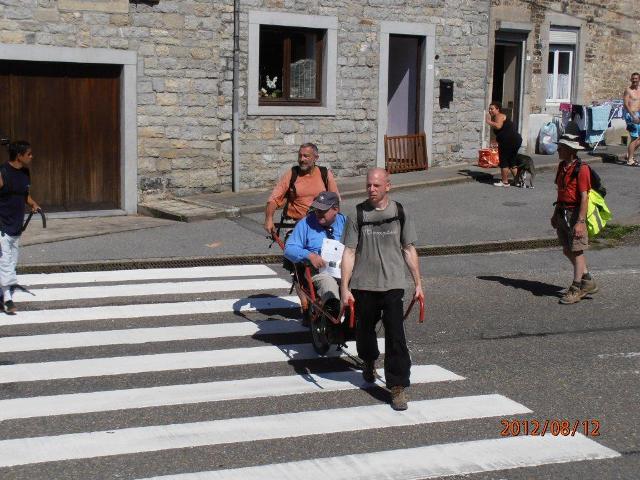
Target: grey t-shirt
<point>379,264</point>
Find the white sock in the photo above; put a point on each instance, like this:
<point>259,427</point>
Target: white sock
<point>6,294</point>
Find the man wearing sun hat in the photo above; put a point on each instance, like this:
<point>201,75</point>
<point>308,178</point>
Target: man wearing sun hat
<point>305,244</point>
<point>569,216</point>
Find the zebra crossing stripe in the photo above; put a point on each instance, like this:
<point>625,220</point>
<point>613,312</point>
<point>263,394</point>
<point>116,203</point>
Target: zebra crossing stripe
<point>144,289</point>
<point>146,274</point>
<point>151,310</point>
<point>147,335</point>
<point>23,451</point>
<point>95,367</point>
<point>204,392</point>
<point>432,461</point>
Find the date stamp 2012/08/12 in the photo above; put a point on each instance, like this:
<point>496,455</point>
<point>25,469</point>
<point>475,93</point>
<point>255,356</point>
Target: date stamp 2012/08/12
<point>554,427</point>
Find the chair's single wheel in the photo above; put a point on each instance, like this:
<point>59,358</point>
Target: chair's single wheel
<point>320,335</point>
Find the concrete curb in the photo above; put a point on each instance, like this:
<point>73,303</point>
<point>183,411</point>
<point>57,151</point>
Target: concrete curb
<point>275,258</point>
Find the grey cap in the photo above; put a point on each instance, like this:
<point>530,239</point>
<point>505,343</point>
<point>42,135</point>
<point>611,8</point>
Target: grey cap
<point>325,200</point>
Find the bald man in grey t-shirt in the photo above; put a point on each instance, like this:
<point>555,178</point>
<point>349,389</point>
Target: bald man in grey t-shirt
<point>373,276</point>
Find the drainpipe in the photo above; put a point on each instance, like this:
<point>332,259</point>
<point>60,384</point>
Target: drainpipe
<point>235,119</point>
<point>486,83</point>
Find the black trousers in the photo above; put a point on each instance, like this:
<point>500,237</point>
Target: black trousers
<point>370,308</point>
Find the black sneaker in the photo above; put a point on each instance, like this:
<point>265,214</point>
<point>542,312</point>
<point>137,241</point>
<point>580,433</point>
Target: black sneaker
<point>369,371</point>
<point>10,307</point>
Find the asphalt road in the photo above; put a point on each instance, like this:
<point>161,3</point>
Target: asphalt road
<point>493,319</point>
<point>446,215</point>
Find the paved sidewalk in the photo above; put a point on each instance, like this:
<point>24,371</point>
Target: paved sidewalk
<point>217,205</point>
<point>452,206</point>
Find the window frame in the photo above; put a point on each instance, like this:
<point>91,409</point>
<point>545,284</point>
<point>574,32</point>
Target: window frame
<point>326,106</point>
<point>319,49</point>
<point>556,49</point>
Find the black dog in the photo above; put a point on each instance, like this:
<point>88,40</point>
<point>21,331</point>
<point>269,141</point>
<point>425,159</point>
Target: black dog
<point>525,165</point>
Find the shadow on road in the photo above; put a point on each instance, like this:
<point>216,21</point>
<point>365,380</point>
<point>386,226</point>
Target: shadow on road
<point>308,368</point>
<point>539,289</point>
<point>480,177</point>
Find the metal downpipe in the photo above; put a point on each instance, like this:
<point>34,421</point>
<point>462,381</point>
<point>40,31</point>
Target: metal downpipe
<point>235,118</point>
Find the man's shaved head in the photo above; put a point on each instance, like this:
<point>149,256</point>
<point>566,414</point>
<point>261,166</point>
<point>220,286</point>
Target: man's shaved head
<point>379,171</point>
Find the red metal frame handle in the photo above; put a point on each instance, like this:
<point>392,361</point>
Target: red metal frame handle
<point>277,239</point>
<point>307,276</point>
<point>421,317</point>
<point>352,311</point>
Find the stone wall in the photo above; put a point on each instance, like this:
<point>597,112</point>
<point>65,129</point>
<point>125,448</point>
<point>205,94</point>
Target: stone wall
<point>613,38</point>
<point>185,50</point>
<point>347,141</point>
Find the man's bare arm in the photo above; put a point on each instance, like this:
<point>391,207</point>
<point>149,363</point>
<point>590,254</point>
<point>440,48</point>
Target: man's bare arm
<point>346,270</point>
<point>269,210</point>
<point>411,258</point>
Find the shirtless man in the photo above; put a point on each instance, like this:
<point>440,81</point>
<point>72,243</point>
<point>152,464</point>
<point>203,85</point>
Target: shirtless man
<point>632,117</point>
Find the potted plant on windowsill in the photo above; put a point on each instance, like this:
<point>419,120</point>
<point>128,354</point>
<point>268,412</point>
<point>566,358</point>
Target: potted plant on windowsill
<point>270,90</point>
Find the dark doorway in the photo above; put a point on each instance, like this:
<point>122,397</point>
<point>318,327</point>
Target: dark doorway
<point>70,113</point>
<point>507,73</point>
<point>403,100</point>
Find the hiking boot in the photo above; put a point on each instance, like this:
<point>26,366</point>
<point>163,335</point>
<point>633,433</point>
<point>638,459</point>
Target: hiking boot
<point>398,398</point>
<point>10,307</point>
<point>369,371</point>
<point>572,295</point>
<point>588,286</point>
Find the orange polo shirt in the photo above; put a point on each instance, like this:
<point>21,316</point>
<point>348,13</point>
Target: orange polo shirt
<point>307,188</point>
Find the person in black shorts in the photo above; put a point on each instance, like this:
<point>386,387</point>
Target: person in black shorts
<point>509,142</point>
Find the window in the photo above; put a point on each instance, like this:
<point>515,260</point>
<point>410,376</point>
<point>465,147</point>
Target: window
<point>560,73</point>
<point>290,66</point>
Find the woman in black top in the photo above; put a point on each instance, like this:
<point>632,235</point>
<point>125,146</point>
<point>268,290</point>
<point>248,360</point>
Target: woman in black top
<point>509,142</point>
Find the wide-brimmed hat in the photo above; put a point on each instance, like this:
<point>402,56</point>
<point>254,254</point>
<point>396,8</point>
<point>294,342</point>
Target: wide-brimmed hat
<point>570,141</point>
<point>325,201</point>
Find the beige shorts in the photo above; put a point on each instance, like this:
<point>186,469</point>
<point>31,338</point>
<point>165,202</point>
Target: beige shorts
<point>565,221</point>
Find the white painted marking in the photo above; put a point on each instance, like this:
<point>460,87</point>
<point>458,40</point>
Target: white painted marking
<point>433,461</point>
<point>95,367</point>
<point>619,355</point>
<point>617,271</point>
<point>204,392</point>
<point>144,289</point>
<point>147,335</point>
<point>125,441</point>
<point>150,310</point>
<point>146,274</point>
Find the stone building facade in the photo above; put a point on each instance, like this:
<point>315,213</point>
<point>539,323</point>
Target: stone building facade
<point>596,41</point>
<point>174,69</point>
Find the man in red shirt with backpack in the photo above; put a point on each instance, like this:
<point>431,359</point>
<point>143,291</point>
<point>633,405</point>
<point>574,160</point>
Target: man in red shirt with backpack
<point>569,216</point>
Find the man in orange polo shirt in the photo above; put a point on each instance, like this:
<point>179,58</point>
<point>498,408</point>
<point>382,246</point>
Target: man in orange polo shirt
<point>569,217</point>
<point>297,196</point>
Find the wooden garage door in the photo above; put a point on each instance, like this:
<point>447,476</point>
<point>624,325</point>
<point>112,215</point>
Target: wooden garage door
<point>70,113</point>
